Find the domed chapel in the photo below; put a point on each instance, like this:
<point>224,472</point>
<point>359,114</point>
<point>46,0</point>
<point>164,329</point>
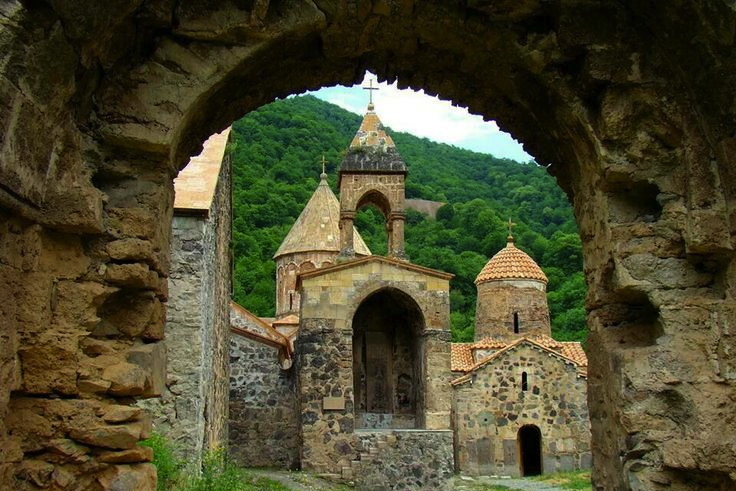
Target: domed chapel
<point>357,378</point>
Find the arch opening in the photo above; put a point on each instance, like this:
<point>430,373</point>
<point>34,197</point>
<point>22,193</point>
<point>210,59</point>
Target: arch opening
<point>387,367</point>
<point>529,442</point>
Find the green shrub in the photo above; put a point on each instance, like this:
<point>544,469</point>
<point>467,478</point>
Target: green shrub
<point>168,466</point>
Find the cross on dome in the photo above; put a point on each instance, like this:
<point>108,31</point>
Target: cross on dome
<point>370,90</point>
<point>511,225</point>
<point>324,174</point>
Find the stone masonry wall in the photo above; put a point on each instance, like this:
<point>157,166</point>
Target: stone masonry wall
<point>192,412</point>
<point>404,460</point>
<point>324,355</point>
<point>263,418</point>
<point>489,410</point>
<point>497,302</point>
<point>216,304</point>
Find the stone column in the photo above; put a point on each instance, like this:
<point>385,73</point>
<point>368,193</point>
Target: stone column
<point>347,249</point>
<point>437,390</point>
<point>396,221</point>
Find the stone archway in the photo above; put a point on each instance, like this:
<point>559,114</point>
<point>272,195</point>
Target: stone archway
<point>631,104</point>
<point>387,353</point>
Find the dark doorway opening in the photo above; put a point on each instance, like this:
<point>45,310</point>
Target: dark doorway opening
<point>529,440</point>
<point>387,354</point>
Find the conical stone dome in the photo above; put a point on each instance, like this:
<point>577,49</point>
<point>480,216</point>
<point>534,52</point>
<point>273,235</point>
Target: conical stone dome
<point>318,227</point>
<point>511,263</point>
<point>372,150</point>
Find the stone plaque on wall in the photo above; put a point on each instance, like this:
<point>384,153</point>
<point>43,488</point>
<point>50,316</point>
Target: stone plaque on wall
<point>333,403</point>
<point>509,452</point>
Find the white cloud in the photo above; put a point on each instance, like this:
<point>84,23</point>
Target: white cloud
<point>426,116</point>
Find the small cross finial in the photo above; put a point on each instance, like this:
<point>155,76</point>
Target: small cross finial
<point>324,162</point>
<point>511,225</point>
<point>370,90</point>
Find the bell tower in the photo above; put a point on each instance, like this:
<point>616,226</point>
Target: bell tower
<point>372,173</point>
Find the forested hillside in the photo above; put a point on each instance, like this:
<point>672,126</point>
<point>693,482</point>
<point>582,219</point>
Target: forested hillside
<point>276,153</point>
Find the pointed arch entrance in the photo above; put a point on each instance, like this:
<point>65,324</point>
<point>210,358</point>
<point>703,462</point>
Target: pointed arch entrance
<point>387,353</point>
<point>529,441</point>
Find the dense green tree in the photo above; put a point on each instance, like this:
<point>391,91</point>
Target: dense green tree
<point>276,153</point>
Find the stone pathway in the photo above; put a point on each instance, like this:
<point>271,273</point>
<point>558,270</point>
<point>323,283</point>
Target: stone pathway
<point>464,483</point>
<point>303,481</point>
<point>298,481</point>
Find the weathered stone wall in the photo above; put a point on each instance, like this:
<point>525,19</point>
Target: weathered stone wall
<point>192,412</point>
<point>490,408</point>
<point>324,354</point>
<point>288,267</point>
<point>264,415</point>
<point>404,459</point>
<point>631,104</point>
<point>499,300</point>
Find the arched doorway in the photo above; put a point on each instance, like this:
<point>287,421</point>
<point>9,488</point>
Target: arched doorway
<point>529,441</point>
<point>386,361</point>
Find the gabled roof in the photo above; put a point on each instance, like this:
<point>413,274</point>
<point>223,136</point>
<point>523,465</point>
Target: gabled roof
<point>318,226</point>
<point>244,323</point>
<point>461,354</point>
<point>368,259</point>
<point>372,149</point>
<point>511,263</point>
<point>194,187</point>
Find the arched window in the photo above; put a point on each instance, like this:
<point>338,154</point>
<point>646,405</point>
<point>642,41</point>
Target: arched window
<point>516,323</point>
<point>524,381</point>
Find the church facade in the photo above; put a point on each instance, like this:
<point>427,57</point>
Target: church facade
<point>375,378</point>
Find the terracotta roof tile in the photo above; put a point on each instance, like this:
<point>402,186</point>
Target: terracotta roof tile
<point>574,351</point>
<point>461,357</point>
<point>511,263</point>
<point>581,369</point>
<point>462,354</point>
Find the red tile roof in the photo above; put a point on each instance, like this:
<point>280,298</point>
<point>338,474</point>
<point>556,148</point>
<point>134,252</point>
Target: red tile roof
<point>511,263</point>
<point>462,356</point>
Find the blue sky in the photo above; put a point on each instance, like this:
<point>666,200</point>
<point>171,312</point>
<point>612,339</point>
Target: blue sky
<point>426,116</point>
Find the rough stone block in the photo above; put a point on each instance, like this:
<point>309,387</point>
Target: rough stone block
<point>130,456</point>
<point>121,437</point>
<point>134,275</point>
<point>126,379</point>
<point>152,359</point>
<point>141,477</point>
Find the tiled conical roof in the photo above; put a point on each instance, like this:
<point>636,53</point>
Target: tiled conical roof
<point>372,149</point>
<point>318,226</point>
<point>511,263</point>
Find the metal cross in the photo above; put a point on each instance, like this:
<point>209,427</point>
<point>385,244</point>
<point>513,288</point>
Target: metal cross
<point>323,163</point>
<point>511,224</point>
<point>370,90</point>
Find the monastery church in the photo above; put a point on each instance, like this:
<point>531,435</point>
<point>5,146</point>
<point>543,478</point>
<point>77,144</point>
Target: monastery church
<point>356,377</point>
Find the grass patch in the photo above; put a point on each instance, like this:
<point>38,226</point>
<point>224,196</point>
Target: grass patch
<point>574,480</point>
<point>218,473</point>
